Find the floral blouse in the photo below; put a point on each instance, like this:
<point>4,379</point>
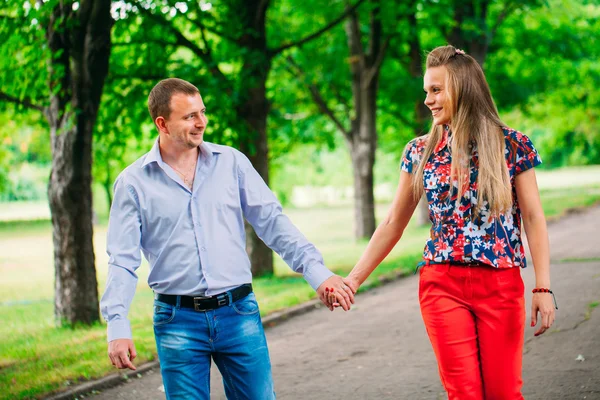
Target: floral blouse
<point>457,234</point>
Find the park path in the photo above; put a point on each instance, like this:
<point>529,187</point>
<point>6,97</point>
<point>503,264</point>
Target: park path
<point>380,350</point>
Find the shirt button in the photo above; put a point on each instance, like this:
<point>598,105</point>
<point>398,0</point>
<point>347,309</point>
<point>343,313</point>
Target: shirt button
<point>203,248</point>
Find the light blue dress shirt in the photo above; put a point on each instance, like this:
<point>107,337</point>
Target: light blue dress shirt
<point>194,240</point>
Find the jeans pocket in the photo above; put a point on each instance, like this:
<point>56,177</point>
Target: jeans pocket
<point>246,306</point>
<point>163,313</point>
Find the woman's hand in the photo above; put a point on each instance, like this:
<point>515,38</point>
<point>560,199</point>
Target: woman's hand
<point>352,283</point>
<point>542,303</point>
<point>349,285</point>
<point>335,293</point>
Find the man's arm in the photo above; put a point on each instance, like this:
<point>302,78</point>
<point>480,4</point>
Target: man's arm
<point>263,211</point>
<point>123,247</point>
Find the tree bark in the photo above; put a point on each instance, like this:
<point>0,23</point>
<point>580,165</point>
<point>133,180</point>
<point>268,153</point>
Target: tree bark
<point>362,138</point>
<point>362,146</point>
<point>254,111</point>
<point>80,43</point>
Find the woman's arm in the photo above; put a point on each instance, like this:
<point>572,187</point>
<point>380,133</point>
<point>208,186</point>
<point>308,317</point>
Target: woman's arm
<point>387,233</point>
<point>537,236</point>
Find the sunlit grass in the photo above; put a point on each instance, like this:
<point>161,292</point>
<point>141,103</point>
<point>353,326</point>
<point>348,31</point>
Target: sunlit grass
<point>37,358</point>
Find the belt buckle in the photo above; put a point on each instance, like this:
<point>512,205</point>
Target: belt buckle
<point>197,301</point>
<point>222,300</point>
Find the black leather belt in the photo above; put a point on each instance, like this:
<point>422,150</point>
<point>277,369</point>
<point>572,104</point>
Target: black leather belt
<point>458,263</point>
<point>205,303</point>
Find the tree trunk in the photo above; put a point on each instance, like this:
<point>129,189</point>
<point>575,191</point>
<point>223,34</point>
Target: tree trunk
<point>80,43</point>
<point>362,138</point>
<point>469,32</point>
<point>254,110</point>
<point>362,152</point>
<point>422,113</point>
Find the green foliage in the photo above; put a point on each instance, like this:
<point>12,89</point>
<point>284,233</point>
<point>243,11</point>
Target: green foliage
<point>23,52</point>
<point>547,74</point>
<point>541,78</point>
<point>24,156</point>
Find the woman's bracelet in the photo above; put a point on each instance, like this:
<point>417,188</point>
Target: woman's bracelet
<point>544,290</point>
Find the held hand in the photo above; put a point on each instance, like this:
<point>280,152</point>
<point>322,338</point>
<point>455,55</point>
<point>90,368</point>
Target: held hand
<point>334,292</point>
<point>121,353</point>
<point>352,283</point>
<point>542,303</point>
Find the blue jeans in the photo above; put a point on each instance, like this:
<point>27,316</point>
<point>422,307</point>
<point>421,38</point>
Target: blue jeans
<point>232,335</point>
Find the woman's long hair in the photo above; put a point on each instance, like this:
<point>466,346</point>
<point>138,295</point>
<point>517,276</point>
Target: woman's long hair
<point>474,120</point>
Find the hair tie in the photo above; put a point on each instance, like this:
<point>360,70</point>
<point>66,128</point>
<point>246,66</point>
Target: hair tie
<point>459,51</point>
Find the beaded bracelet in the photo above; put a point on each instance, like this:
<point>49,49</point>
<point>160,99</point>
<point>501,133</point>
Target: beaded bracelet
<point>544,290</point>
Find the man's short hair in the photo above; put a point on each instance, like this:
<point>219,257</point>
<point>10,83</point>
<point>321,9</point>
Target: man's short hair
<point>160,96</point>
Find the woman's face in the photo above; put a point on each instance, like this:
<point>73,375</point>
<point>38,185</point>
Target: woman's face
<point>434,84</point>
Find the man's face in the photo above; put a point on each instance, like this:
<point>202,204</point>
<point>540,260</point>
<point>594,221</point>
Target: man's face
<point>187,122</point>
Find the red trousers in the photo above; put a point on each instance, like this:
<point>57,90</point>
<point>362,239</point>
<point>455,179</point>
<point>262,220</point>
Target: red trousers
<point>475,319</point>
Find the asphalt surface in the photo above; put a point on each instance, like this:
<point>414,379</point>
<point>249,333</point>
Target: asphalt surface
<point>380,349</point>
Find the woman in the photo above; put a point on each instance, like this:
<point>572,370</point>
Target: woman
<point>479,181</point>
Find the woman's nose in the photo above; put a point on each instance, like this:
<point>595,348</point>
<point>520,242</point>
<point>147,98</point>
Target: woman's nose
<point>428,100</point>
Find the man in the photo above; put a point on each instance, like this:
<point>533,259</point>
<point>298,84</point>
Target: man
<point>183,204</point>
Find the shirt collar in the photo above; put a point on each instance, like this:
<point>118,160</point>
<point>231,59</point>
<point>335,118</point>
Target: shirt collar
<point>446,133</point>
<point>153,155</point>
<point>207,150</point>
<point>206,153</point>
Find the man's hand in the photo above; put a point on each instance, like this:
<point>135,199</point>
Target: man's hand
<point>121,353</point>
<point>335,287</point>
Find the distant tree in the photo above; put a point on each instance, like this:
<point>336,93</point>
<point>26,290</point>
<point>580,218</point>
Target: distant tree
<point>73,39</point>
<point>349,98</point>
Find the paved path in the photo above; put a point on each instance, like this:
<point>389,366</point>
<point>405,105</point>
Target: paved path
<point>380,350</point>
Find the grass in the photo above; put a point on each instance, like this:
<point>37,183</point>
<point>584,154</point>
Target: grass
<point>36,358</point>
<point>591,306</point>
<point>556,202</point>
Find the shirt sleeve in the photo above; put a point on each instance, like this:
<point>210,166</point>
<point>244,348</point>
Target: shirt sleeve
<point>123,248</point>
<point>527,156</point>
<point>263,211</point>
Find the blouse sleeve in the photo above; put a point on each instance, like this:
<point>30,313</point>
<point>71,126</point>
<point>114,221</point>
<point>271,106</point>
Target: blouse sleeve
<point>410,157</point>
<point>527,156</point>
